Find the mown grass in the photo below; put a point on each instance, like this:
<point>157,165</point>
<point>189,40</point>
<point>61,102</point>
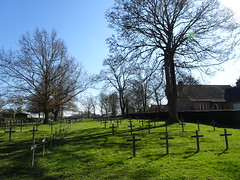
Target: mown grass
<point>86,150</point>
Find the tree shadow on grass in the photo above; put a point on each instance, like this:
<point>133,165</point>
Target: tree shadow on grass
<point>152,158</point>
<point>16,158</point>
<point>191,155</point>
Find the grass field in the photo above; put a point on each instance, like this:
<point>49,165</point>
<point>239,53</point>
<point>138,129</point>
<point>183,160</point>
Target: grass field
<point>87,150</point>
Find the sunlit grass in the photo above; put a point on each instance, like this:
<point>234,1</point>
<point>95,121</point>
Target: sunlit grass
<point>87,150</point>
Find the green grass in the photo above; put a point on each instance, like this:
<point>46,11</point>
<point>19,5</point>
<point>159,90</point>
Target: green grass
<point>89,151</point>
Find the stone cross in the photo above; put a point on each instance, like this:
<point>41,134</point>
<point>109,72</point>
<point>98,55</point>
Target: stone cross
<point>214,124</point>
<point>131,127</point>
<point>105,124</point>
<point>113,128</point>
<point>33,147</point>
<point>166,127</point>
<point>10,133</point>
<point>130,121</point>
<point>51,139</point>
<point>197,140</point>
<point>21,125</point>
<point>33,131</point>
<point>182,124</point>
<point>198,124</point>
<point>167,144</point>
<point>51,126</point>
<point>226,137</point>
<point>134,144</point>
<point>43,142</point>
<point>149,126</point>
<point>142,121</point>
<point>118,122</point>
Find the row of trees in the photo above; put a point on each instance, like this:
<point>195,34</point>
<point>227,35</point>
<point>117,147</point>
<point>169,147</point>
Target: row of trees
<point>156,42</point>
<point>41,74</point>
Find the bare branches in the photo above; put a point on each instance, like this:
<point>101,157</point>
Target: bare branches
<point>188,34</point>
<point>42,71</point>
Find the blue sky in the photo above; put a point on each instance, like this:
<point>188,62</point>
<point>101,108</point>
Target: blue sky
<point>83,27</point>
<point>80,23</point>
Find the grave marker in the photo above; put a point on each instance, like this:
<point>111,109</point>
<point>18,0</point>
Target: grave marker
<point>10,134</point>
<point>214,124</point>
<point>182,124</point>
<point>131,126</point>
<point>21,125</point>
<point>134,144</point>
<point>197,140</point>
<point>130,121</point>
<point>118,122</point>
<point>105,124</point>
<point>51,139</point>
<point>198,124</point>
<point>51,126</point>
<point>149,127</point>
<point>113,128</point>
<point>33,131</point>
<point>44,142</point>
<point>142,121</point>
<point>166,127</point>
<point>167,144</point>
<point>33,147</point>
<point>226,137</point>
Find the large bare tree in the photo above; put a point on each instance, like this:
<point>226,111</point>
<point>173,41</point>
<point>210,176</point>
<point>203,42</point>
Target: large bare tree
<point>42,71</point>
<point>177,34</point>
<point>118,75</point>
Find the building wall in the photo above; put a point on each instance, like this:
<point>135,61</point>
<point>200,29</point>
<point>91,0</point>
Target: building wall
<point>236,105</point>
<point>184,104</point>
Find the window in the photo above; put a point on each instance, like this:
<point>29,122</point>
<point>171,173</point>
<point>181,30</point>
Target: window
<point>202,107</point>
<point>215,107</point>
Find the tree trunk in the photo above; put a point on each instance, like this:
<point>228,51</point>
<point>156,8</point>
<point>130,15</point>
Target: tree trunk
<point>45,121</point>
<point>122,103</point>
<point>55,115</point>
<point>171,88</point>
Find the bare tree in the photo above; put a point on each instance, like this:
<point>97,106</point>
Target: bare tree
<point>113,103</point>
<point>178,34</point>
<point>89,105</point>
<point>41,70</point>
<point>103,103</point>
<point>118,74</point>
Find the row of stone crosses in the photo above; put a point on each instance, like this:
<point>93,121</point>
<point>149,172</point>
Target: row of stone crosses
<point>44,140</point>
<point>166,138</point>
<point>113,127</point>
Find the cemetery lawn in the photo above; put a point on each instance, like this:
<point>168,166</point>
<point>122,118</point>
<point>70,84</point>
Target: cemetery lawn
<point>86,150</point>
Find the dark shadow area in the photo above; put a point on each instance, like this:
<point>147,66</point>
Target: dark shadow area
<point>191,155</point>
<point>223,152</point>
<point>223,118</point>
